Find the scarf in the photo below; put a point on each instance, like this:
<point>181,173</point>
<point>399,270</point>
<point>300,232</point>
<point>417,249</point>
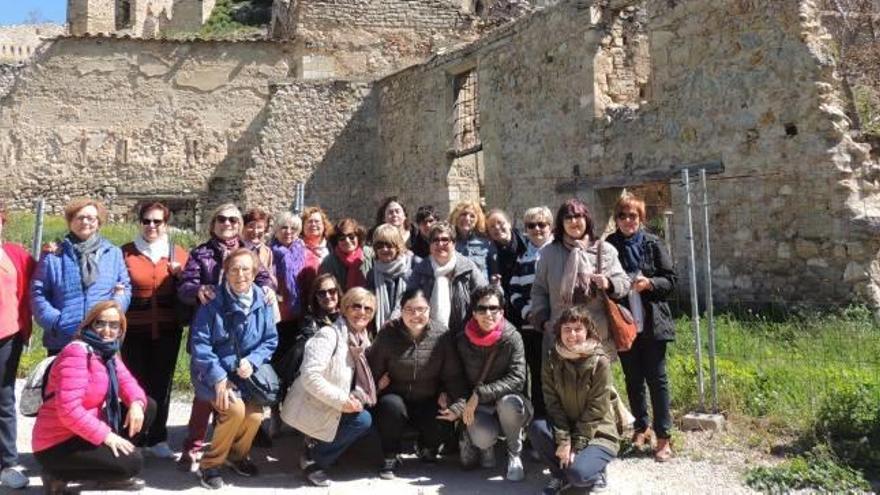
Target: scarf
<point>243,301</point>
<point>385,277</point>
<point>225,246</point>
<point>633,251</point>
<point>581,351</point>
<point>289,261</point>
<point>441,298</point>
<point>156,250</point>
<point>87,252</point>
<point>319,250</point>
<point>364,384</point>
<point>352,262</point>
<point>107,352</point>
<point>578,267</point>
<point>476,336</point>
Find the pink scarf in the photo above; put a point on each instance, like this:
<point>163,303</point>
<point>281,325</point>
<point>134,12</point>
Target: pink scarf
<point>476,336</point>
<point>352,262</point>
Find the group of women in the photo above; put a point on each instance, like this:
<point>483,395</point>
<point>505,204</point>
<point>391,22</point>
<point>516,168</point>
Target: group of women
<point>463,331</point>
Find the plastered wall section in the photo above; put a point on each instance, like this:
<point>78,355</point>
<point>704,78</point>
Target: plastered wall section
<point>746,83</point>
<point>321,134</point>
<point>119,119</point>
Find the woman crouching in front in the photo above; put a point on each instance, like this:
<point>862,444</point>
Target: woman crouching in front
<point>579,437</point>
<point>328,400</point>
<point>81,432</point>
<point>232,336</point>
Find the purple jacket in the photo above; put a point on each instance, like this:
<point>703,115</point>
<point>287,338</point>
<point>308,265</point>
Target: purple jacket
<point>204,267</point>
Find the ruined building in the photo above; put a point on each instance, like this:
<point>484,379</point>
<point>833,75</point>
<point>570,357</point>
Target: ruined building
<point>428,100</point>
<point>137,18</point>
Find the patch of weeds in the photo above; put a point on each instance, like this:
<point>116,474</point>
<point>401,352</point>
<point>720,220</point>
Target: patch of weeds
<point>816,470</point>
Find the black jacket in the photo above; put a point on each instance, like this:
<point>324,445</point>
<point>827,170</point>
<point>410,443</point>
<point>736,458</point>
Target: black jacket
<point>419,369</point>
<point>507,256</point>
<point>657,266</point>
<point>507,374</point>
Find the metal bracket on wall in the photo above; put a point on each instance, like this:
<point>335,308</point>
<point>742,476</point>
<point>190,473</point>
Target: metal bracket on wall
<point>572,186</point>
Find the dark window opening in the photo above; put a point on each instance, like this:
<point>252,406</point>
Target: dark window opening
<point>123,14</point>
<point>466,109</point>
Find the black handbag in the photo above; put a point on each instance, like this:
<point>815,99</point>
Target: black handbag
<point>263,386</point>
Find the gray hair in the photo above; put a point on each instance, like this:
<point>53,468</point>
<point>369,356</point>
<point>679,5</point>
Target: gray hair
<point>542,212</point>
<point>285,217</point>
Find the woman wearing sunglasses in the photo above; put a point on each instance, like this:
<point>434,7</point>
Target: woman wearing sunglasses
<point>328,401</point>
<point>491,351</point>
<point>649,265</point>
<point>349,260</point>
<point>391,269</point>
<point>419,375</point>
<point>94,410</point>
<point>447,278</point>
<point>199,284</point>
<point>154,332</point>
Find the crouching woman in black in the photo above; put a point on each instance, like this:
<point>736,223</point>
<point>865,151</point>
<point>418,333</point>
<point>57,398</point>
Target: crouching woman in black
<point>418,375</point>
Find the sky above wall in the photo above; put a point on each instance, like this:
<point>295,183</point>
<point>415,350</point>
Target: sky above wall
<point>30,11</point>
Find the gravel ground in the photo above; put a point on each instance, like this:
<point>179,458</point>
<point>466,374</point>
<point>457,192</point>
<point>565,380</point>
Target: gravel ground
<point>719,472</point>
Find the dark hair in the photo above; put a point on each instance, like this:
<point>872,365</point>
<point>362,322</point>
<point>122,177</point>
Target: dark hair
<point>313,305</point>
<point>410,294</point>
<point>166,213</point>
<point>577,314</point>
<point>485,291</point>
<point>380,213</point>
<point>424,212</point>
<point>348,222</point>
<point>256,214</point>
<point>572,206</point>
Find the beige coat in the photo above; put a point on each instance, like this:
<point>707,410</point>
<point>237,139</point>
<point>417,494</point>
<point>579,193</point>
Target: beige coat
<point>314,403</point>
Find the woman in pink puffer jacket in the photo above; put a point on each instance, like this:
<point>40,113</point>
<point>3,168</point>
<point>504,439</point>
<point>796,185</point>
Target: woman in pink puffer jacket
<point>81,433</point>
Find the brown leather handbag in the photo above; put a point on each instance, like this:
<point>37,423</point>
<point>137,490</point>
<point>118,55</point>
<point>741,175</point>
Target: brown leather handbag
<point>621,323</point>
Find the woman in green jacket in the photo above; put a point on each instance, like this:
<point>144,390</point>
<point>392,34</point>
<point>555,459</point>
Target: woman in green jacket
<point>579,437</point>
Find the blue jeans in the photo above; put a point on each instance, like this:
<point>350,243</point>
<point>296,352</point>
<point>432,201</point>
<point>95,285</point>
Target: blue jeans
<point>352,426</point>
<point>10,352</point>
<point>587,465</point>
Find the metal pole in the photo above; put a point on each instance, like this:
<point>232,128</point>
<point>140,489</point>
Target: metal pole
<point>710,310</point>
<point>40,206</point>
<point>667,230</point>
<point>695,304</point>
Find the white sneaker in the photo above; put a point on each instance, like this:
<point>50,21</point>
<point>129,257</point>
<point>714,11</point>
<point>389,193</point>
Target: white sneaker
<point>515,471</point>
<point>14,477</point>
<point>161,451</point>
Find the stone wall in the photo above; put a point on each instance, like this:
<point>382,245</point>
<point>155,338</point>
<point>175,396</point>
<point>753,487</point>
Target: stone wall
<point>21,42</point>
<point>8,75</point>
<point>126,119</point>
<point>322,134</point>
<point>91,16</point>
<point>745,84</point>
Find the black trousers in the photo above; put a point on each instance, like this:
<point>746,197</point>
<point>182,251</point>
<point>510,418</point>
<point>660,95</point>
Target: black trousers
<point>392,414</point>
<point>10,353</point>
<point>532,342</point>
<point>645,363</point>
<point>78,460</point>
<point>152,362</point>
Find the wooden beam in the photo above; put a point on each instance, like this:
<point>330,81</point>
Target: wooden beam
<point>638,178</point>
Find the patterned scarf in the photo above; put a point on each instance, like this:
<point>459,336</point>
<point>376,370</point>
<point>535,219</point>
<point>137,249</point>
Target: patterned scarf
<point>107,352</point>
<point>87,253</point>
<point>578,267</point>
<point>364,384</point>
<point>581,351</point>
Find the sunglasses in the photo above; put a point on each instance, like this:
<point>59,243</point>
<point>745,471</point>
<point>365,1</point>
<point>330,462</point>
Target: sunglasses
<point>383,245</point>
<point>573,217</point>
<point>350,237</point>
<point>481,308</point>
<point>224,219</point>
<point>327,293</point>
<point>362,307</point>
<point>627,216</point>
<point>151,221</point>
<point>537,225</point>
<point>112,325</point>
<point>441,240</point>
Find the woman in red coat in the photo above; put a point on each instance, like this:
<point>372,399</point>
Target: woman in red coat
<point>16,267</point>
<point>81,433</point>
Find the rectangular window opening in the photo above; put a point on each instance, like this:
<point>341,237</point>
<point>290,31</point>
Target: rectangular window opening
<point>466,111</point>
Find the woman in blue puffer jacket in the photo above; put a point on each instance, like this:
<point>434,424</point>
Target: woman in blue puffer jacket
<point>83,270</point>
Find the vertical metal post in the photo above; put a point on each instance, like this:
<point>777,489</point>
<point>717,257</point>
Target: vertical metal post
<point>710,310</point>
<point>695,304</point>
<point>667,230</point>
<point>40,207</point>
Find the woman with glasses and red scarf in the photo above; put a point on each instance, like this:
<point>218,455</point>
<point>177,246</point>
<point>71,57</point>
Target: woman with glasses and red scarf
<point>349,260</point>
<point>154,331</point>
<point>199,284</point>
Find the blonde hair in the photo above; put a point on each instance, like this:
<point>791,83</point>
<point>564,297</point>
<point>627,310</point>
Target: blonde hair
<point>222,208</point>
<point>286,217</point>
<point>461,207</point>
<point>357,295</point>
<point>539,213</point>
<point>390,234</point>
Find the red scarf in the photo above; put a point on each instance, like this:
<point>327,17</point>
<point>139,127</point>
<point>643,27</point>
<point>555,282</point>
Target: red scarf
<point>476,336</point>
<point>352,262</point>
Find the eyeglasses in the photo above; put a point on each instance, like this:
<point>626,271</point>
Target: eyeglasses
<point>383,245</point>
<point>627,216</point>
<point>99,324</point>
<point>240,269</point>
<point>492,309</point>
<point>537,225</point>
<point>573,217</point>
<point>441,240</point>
<point>326,293</point>
<point>418,310</point>
<point>152,221</point>
<point>86,219</point>
<point>224,219</point>
<point>362,307</point>
<point>351,237</point>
